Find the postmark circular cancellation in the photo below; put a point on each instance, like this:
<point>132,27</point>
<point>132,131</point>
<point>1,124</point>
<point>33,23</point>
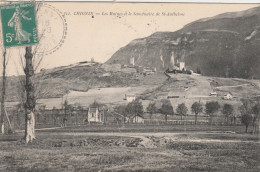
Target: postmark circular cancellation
<point>52,29</point>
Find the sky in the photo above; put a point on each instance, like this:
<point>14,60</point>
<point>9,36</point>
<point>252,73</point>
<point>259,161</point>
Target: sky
<point>99,36</point>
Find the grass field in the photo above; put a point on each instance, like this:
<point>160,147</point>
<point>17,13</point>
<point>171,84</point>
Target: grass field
<point>133,128</point>
<point>105,148</point>
<point>125,147</point>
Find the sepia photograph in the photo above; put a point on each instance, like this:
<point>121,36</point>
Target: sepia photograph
<point>108,86</point>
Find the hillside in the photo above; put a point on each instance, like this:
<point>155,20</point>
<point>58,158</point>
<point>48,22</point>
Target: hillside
<point>225,46</point>
<point>82,83</point>
<point>56,82</point>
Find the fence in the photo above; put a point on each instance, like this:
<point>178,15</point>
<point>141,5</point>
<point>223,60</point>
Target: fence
<point>189,122</point>
<point>48,118</point>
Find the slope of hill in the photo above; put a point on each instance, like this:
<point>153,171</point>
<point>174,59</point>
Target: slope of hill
<point>86,80</point>
<point>58,81</point>
<point>225,45</point>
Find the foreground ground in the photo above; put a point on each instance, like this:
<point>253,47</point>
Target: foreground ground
<point>164,149</point>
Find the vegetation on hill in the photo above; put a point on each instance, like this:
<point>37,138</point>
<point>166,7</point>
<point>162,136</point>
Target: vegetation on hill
<point>223,46</point>
<point>59,81</point>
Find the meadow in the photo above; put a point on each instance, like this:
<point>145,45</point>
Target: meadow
<point>133,148</point>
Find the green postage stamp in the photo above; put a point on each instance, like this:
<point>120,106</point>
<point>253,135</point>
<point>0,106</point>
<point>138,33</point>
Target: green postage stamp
<point>19,24</point>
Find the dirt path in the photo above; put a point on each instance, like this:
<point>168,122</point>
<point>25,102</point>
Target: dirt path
<point>232,86</point>
<point>189,137</point>
<point>202,88</point>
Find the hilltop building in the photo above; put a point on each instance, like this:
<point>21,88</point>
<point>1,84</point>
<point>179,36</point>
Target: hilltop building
<point>182,66</point>
<point>177,65</point>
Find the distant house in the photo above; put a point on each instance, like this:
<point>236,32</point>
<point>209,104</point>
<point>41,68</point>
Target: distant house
<point>213,94</point>
<point>128,70</point>
<point>111,67</point>
<point>130,98</point>
<point>172,97</point>
<point>228,96</point>
<point>94,115</point>
<point>106,74</point>
<point>148,71</point>
<point>132,61</point>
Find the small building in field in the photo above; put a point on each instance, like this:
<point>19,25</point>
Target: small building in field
<point>106,75</point>
<point>148,71</point>
<point>129,70</point>
<point>228,96</point>
<point>130,98</point>
<point>132,61</point>
<point>213,94</point>
<point>111,67</point>
<point>94,115</point>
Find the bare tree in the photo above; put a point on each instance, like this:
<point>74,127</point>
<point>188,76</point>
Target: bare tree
<point>256,116</point>
<point>55,113</point>
<point>3,92</point>
<point>31,65</point>
<point>30,96</point>
<point>27,94</point>
<point>66,112</point>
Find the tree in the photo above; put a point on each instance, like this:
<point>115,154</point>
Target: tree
<point>196,108</point>
<point>211,108</point>
<point>166,109</point>
<point>182,110</point>
<point>120,113</point>
<point>227,110</point>
<point>29,87</point>
<point>2,127</point>
<point>198,70</point>
<point>246,113</point>
<point>151,109</point>
<point>95,104</point>
<point>103,111</point>
<point>30,96</point>
<point>67,109</point>
<point>256,116</point>
<point>55,113</point>
<point>246,119</point>
<point>134,109</point>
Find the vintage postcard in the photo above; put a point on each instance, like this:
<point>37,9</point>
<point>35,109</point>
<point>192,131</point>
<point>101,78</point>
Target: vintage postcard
<point>105,86</point>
